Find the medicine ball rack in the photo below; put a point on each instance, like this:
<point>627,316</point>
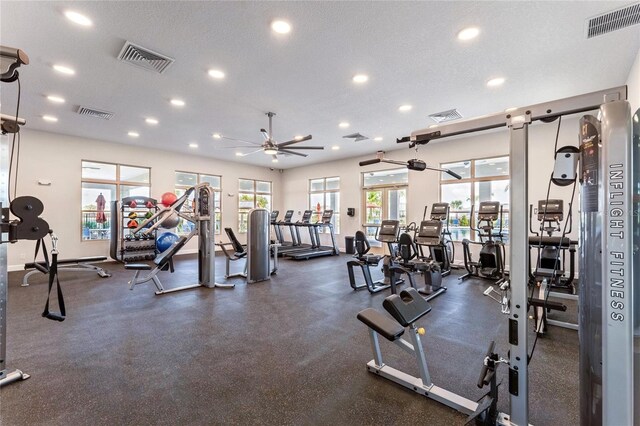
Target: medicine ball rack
<point>126,246</point>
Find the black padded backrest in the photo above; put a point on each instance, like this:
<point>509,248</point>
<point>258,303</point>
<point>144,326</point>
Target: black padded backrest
<point>237,246</point>
<point>405,247</point>
<point>408,307</point>
<point>164,257</point>
<point>362,243</point>
<point>388,232</point>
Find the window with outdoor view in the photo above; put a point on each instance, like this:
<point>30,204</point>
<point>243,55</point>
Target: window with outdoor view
<point>324,194</point>
<point>103,183</point>
<point>384,197</point>
<point>252,194</point>
<point>485,179</point>
<point>184,181</point>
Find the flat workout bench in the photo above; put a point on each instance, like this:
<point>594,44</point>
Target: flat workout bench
<point>81,264</point>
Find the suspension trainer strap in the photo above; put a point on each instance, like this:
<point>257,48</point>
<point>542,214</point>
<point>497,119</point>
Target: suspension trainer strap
<point>53,275</point>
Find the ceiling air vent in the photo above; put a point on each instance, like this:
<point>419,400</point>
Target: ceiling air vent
<point>92,112</point>
<point>441,117</point>
<point>612,21</point>
<point>144,58</point>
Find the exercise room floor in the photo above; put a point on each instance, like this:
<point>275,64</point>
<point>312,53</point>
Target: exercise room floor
<point>285,352</point>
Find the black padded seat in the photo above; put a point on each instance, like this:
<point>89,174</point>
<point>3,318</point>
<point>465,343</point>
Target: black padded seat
<point>548,273</point>
<point>137,266</point>
<point>408,307</point>
<point>380,323</point>
<point>551,241</point>
<point>371,259</point>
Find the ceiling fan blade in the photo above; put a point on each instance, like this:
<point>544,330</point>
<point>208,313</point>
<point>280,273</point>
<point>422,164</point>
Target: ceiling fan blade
<point>240,140</point>
<point>302,147</point>
<point>292,141</point>
<point>235,147</point>
<point>253,152</point>
<point>286,151</point>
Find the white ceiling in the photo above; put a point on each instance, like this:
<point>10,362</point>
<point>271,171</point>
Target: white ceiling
<point>409,50</point>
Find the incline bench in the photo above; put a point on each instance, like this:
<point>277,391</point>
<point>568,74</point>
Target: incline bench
<point>162,262</point>
<point>82,264</point>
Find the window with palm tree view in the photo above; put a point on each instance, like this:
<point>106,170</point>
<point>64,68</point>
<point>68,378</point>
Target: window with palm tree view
<point>384,197</point>
<point>485,179</point>
<point>324,194</point>
<point>184,181</point>
<point>252,194</point>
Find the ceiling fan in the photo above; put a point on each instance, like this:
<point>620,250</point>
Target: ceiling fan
<point>271,147</point>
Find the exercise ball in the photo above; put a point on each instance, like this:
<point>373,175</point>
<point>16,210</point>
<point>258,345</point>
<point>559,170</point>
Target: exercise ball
<point>164,241</point>
<point>168,198</point>
<point>169,220</point>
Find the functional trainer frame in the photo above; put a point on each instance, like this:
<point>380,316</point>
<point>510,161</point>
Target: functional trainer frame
<point>620,407</point>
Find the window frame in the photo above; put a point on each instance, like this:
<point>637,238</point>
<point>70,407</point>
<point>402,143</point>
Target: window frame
<point>336,212</point>
<point>385,188</point>
<point>217,192</point>
<point>254,193</point>
<point>472,180</point>
<point>118,184</point>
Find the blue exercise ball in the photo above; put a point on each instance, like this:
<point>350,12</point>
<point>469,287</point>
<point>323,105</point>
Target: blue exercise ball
<point>164,241</point>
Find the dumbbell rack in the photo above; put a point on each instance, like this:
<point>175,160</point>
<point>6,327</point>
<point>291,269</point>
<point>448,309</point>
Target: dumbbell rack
<point>130,247</point>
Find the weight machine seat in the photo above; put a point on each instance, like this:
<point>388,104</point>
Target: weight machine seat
<point>371,259</point>
<point>563,242</point>
<point>137,266</point>
<point>381,324</point>
<point>239,249</point>
<point>408,307</point>
<point>92,259</point>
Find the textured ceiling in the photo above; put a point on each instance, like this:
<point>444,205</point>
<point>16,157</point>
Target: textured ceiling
<point>409,50</point>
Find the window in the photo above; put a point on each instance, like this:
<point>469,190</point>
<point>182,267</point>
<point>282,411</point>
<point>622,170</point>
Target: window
<point>324,194</point>
<point>252,194</point>
<point>103,183</point>
<point>384,197</point>
<point>484,179</point>
<point>184,181</point>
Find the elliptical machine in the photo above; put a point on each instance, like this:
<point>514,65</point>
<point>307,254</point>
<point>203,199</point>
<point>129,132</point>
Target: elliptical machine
<point>490,263</point>
<point>439,247</point>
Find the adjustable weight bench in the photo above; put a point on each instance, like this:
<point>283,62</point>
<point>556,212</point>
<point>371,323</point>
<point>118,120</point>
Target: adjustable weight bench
<point>163,262</point>
<point>82,264</point>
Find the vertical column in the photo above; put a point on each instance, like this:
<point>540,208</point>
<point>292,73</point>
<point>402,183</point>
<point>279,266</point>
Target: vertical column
<point>518,269</point>
<point>617,259</point>
<point>4,203</point>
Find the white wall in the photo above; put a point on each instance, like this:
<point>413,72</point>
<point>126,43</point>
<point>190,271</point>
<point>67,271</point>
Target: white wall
<point>424,186</point>
<point>58,158</point>
<point>633,84</point>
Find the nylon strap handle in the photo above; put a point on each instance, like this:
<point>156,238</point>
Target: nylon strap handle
<point>53,275</point>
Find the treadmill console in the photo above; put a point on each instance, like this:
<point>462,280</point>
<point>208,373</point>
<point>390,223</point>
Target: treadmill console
<point>429,233</point>
<point>388,232</point>
<point>306,216</point>
<point>274,216</point>
<point>439,211</point>
<point>287,216</point>
<point>326,216</point>
<point>489,211</point>
<point>550,210</point>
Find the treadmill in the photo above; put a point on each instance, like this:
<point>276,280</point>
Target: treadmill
<point>277,232</point>
<point>294,228</point>
<point>278,225</point>
<point>319,250</point>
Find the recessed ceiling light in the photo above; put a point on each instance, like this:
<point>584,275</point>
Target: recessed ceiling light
<point>281,27</point>
<point>151,121</point>
<point>378,139</point>
<point>56,99</point>
<point>468,33</point>
<point>193,145</point>
<point>78,18</point>
<point>177,102</point>
<point>360,78</point>
<point>275,160</point>
<point>335,147</point>
<point>343,125</point>
<point>494,82</point>
<point>49,118</point>
<point>133,134</point>
<point>405,108</point>
<point>239,154</point>
<point>510,109</point>
<point>297,138</point>
<point>213,73</point>
<point>63,69</point>
<point>217,136</point>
